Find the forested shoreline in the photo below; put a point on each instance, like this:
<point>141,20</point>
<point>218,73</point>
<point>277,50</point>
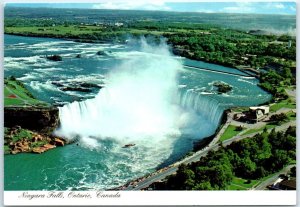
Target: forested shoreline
<point>204,42</point>
<point>250,159</point>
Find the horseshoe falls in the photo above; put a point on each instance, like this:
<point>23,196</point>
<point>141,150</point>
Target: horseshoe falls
<point>148,99</point>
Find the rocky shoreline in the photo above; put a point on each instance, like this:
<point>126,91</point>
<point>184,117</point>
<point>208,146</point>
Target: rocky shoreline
<point>29,129</point>
<point>20,140</point>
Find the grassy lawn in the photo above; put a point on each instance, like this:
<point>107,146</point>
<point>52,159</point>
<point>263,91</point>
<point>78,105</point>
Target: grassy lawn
<point>250,131</point>
<point>284,103</point>
<point>15,94</point>
<point>242,184</point>
<point>6,149</point>
<point>240,109</point>
<point>229,133</point>
<point>12,101</point>
<point>291,115</point>
<point>268,126</point>
<point>235,187</point>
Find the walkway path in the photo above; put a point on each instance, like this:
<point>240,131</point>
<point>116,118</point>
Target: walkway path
<point>291,93</point>
<point>17,96</point>
<point>218,71</point>
<point>260,124</point>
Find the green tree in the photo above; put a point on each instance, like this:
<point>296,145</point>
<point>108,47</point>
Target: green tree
<point>279,159</point>
<point>260,172</point>
<point>247,168</point>
<point>278,117</point>
<point>220,176</point>
<point>293,171</point>
<point>286,72</point>
<point>291,131</point>
<point>203,186</point>
<point>184,178</point>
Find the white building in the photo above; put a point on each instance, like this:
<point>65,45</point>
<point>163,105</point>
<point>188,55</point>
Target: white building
<point>258,112</point>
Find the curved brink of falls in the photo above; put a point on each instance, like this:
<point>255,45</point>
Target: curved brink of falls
<point>141,104</point>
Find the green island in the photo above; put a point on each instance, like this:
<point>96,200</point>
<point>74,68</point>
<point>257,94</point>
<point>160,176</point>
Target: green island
<point>222,87</point>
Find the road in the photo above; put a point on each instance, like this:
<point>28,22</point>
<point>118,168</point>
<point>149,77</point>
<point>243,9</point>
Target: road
<point>218,71</point>
<point>11,92</point>
<point>159,175</point>
<point>25,102</point>
<point>272,179</point>
<point>291,93</point>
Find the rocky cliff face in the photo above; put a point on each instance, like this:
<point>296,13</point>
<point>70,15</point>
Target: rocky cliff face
<point>37,119</point>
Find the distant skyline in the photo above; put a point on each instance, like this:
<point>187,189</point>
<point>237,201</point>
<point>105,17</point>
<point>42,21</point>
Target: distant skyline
<point>165,5</point>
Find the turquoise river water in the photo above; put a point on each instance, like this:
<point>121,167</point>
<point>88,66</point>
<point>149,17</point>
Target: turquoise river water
<point>148,98</point>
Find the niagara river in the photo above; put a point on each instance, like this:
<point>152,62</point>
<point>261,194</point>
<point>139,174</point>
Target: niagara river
<point>137,94</point>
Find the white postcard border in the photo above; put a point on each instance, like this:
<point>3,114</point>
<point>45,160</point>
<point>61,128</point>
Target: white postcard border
<point>231,198</point>
<point>79,198</point>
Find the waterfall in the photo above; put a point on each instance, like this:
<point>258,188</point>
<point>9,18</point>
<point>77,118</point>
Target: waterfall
<point>138,101</point>
<point>208,107</point>
<point>141,101</point>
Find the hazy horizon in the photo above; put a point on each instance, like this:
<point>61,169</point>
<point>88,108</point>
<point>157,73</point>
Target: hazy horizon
<point>280,8</point>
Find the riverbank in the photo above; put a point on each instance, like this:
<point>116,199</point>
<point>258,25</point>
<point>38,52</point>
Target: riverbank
<point>211,143</point>
<point>66,149</point>
<point>195,41</point>
<point>121,40</point>
<point>18,140</point>
<point>28,122</point>
<point>265,77</point>
<point>157,178</point>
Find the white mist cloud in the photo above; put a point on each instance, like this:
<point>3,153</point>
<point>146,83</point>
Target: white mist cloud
<point>133,5</point>
<point>275,6</point>
<point>138,105</point>
<point>279,6</point>
<point>238,9</point>
<point>139,102</point>
<point>292,8</point>
<point>205,11</point>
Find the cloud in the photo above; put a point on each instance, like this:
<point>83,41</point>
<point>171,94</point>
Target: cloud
<point>237,9</point>
<point>292,8</point>
<point>205,11</point>
<point>275,6</point>
<point>231,8</point>
<point>279,6</point>
<point>133,5</point>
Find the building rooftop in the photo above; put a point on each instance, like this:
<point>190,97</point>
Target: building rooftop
<point>288,184</point>
<point>259,107</point>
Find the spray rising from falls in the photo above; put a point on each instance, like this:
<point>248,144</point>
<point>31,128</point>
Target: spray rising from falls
<point>141,104</point>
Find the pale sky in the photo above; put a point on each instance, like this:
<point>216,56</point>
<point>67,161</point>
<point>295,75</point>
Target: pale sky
<point>166,5</point>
